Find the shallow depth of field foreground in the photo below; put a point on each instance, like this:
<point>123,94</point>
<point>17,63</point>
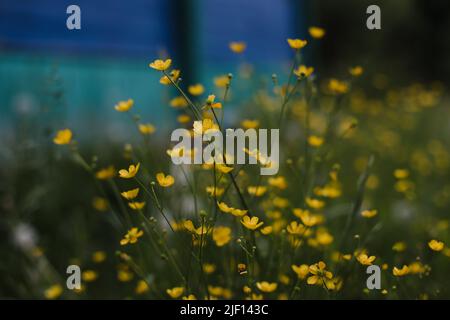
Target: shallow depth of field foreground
<point>363,179</point>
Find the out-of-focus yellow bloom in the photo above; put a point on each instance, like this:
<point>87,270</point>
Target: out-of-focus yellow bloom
<point>250,124</point>
<point>174,75</point>
<point>215,191</point>
<point>323,237</point>
<point>160,65</point>
<point>98,256</point>
<point>237,46</point>
<point>54,292</point>
<point>189,297</point>
<point>251,223</point>
<point>401,173</point>
<point>199,127</point>
<point>315,203</point>
<point>221,81</point>
<point>165,181</point>
<point>210,102</point>
<point>131,236</point>
<point>224,207</point>
<point>320,276</point>
<point>189,226</point>
<point>280,202</point>
<point>100,204</point>
<point>124,275</point>
<point>307,218</point>
<point>175,292</point>
<point>178,102</point>
<point>296,228</point>
<point>146,128</point>
<point>267,287</point>
<point>302,270</point>
<point>356,71</point>
<point>209,268</point>
<point>337,87</point>
<point>131,172</point>
<point>297,43</point>
<point>436,245</point>
<point>106,173</point>
<point>365,260</point>
<point>315,141</point>
<point>89,275</point>
<point>223,168</point>
<point>278,182</point>
<point>303,71</point>
<point>123,106</point>
<point>400,272</point>
<point>238,212</point>
<point>141,287</point>
<point>369,213</point>
<point>266,230</point>
<point>183,118</point>
<point>136,205</point>
<point>221,235</point>
<point>417,268</point>
<point>256,191</point>
<point>63,137</point>
<point>196,89</point>
<point>316,32</point>
<point>399,246</point>
<point>130,194</point>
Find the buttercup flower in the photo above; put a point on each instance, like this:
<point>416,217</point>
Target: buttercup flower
<point>256,191</point>
<point>297,43</point>
<point>175,292</point>
<point>196,89</point>
<point>130,173</point>
<point>337,87</point>
<point>316,32</point>
<point>267,287</point>
<point>315,203</point>
<point>53,292</point>
<point>436,245</point>
<point>130,194</point>
<point>238,47</point>
<point>365,260</point>
<point>161,65</point>
<point>89,275</point>
<point>250,124</point>
<point>106,173</point>
<point>251,223</point>
<point>178,102</point>
<point>146,128</point>
<point>63,137</point>
<point>356,71</point>
<point>369,213</point>
<point>123,106</point>
<point>302,270</point>
<point>210,102</point>
<point>278,182</point>
<point>303,71</point>
<point>266,230</point>
<point>315,141</point>
<point>141,287</point>
<point>165,181</point>
<point>131,236</point>
<point>400,272</point>
<point>189,226</point>
<point>136,205</point>
<point>221,235</point>
<point>174,75</point>
<point>320,276</point>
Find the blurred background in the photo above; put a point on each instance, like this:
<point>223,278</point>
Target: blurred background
<point>107,60</point>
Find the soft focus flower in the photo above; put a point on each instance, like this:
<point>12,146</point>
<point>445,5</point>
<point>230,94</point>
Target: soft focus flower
<point>365,260</point>
<point>100,204</point>
<point>303,71</point>
<point>210,102</point>
<point>141,287</point>
<point>146,128</point>
<point>297,43</point>
<point>238,47</point>
<point>400,272</point>
<point>196,89</point>
<point>256,191</point>
<point>175,292</point>
<point>106,173</point>
<point>165,181</point>
<point>369,213</point>
<point>136,205</point>
<point>174,75</point>
<point>315,141</point>
<point>221,235</point>
<point>316,32</point>
<point>130,194</point>
<point>250,124</point>
<point>189,226</point>
<point>178,102</point>
<point>189,297</point>
<point>436,245</point>
<point>54,292</point>
<point>63,137</point>
<point>131,236</point>
<point>161,65</point>
<point>278,182</point>
<point>89,275</point>
<point>399,246</point>
<point>98,256</point>
<point>314,203</point>
<point>266,230</point>
<point>123,106</point>
<point>302,270</point>
<point>356,71</point>
<point>251,223</point>
<point>267,287</point>
<point>130,173</point>
<point>337,87</point>
<point>401,173</point>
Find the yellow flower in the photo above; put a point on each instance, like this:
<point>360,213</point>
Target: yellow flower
<point>221,236</point>
<point>400,272</point>
<point>130,194</point>
<point>63,137</point>
<point>316,32</point>
<point>141,287</point>
<point>295,228</point>
<point>320,276</point>
<point>132,236</point>
<point>256,191</point>
<point>174,75</point>
<point>238,212</point>
<point>100,204</point>
<point>297,43</point>
<point>196,89</point>
<point>315,141</point>
<point>323,237</point>
<point>267,287</point>
<point>89,275</point>
<point>278,182</point>
<point>175,292</point>
<point>401,173</point>
<point>337,87</point>
<point>356,71</point>
<point>124,275</point>
<point>131,172</point>
<point>214,191</point>
<point>123,106</point>
<point>222,81</point>
<point>251,223</point>
<point>238,47</point>
<point>315,203</point>
<point>165,181</point>
<point>106,173</point>
<point>209,268</point>
<point>161,65</point>
<point>98,256</point>
<point>266,230</point>
<point>146,128</point>
<point>307,218</point>
<point>224,168</point>
<point>224,207</point>
<point>54,292</point>
<point>178,102</point>
<point>189,297</point>
<point>302,270</point>
<point>183,118</point>
<point>399,246</point>
<point>210,102</point>
<point>436,245</point>
<point>189,226</point>
<point>136,205</point>
<point>369,213</point>
<point>365,260</point>
<point>303,71</point>
<point>250,124</point>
